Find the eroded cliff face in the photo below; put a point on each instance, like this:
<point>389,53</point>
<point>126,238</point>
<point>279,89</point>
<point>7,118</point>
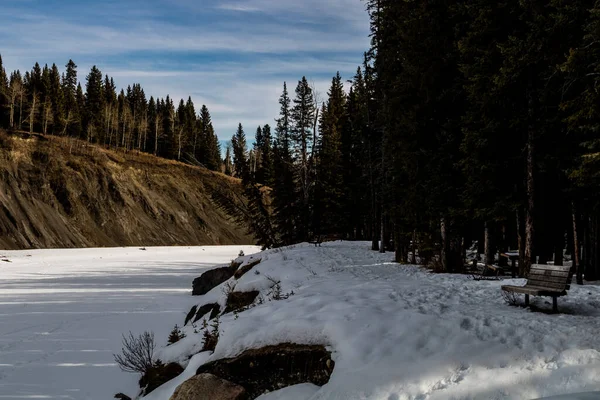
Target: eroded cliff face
<point>58,192</point>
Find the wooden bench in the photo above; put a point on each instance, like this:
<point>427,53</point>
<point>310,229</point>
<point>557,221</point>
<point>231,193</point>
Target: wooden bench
<point>544,280</point>
<point>317,240</point>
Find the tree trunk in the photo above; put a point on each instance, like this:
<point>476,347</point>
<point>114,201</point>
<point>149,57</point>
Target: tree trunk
<point>591,249</point>
<point>521,240</point>
<point>156,136</point>
<point>21,112</point>
<point>444,245</point>
<point>529,228</point>
<point>12,113</point>
<point>375,230</point>
<point>382,234</point>
<point>487,244</point>
<point>413,258</point>
<point>32,112</point>
<point>576,248</point>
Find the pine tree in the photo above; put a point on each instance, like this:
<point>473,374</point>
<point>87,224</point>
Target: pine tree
<point>4,95</point>
<point>94,102</point>
<point>227,161</point>
<point>57,100</point>
<point>302,117</point>
<point>17,93</point>
<point>329,187</point>
<point>240,154</point>
<point>266,156</point>
<point>255,163</point>
<point>211,148</point>
<point>72,123</point>
<point>285,201</point>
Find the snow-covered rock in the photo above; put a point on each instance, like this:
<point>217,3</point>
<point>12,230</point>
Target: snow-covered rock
<point>208,387</point>
<point>211,278</point>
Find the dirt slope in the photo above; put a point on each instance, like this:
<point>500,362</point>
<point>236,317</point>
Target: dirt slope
<point>58,192</point>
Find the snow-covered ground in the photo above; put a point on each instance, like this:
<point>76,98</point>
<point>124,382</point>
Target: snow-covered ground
<point>400,332</point>
<point>62,313</point>
<point>396,332</point>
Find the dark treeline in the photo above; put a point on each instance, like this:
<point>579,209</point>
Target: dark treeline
<point>469,120</point>
<point>45,101</point>
<point>487,111</point>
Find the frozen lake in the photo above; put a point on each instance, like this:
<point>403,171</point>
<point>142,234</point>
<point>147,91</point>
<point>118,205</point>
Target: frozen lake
<point>62,313</point>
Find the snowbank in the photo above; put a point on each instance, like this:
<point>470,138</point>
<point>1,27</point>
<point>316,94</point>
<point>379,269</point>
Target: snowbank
<point>400,332</point>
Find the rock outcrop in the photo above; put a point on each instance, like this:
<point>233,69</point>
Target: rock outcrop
<point>210,279</point>
<point>237,301</point>
<point>158,375</point>
<point>274,367</point>
<point>213,308</point>
<point>209,387</point>
<point>245,268</point>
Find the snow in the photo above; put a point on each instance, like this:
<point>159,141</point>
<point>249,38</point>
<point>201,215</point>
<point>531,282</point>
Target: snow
<point>62,314</point>
<point>396,332</point>
<point>297,392</point>
<point>399,332</point>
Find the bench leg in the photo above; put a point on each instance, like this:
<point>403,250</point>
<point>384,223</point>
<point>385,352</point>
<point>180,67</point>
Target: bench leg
<point>554,304</point>
<point>526,300</point>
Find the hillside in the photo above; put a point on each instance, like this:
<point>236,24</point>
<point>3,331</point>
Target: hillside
<point>59,192</point>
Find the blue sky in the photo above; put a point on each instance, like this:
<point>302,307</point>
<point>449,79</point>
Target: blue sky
<point>232,55</point>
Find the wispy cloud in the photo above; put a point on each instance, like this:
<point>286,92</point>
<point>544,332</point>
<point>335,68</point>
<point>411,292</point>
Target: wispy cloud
<point>231,55</point>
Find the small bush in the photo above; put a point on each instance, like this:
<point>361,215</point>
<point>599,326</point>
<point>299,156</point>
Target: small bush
<point>228,288</point>
<point>211,336</point>
<point>137,353</point>
<point>275,292</point>
<point>511,298</point>
<point>176,335</point>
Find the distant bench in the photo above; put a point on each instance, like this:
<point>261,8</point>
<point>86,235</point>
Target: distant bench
<point>544,280</point>
<point>317,240</point>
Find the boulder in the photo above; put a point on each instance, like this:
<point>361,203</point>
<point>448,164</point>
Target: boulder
<point>274,367</point>
<point>159,374</point>
<point>190,314</point>
<point>239,300</point>
<point>208,387</point>
<point>245,268</point>
<point>213,308</point>
<point>210,279</point>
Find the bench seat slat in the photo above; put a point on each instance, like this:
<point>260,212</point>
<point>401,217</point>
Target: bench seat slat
<point>555,274</point>
<point>534,291</point>
<point>550,267</point>
<point>548,278</point>
<point>535,282</point>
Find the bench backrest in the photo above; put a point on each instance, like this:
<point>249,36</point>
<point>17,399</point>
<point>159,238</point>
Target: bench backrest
<point>554,277</point>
